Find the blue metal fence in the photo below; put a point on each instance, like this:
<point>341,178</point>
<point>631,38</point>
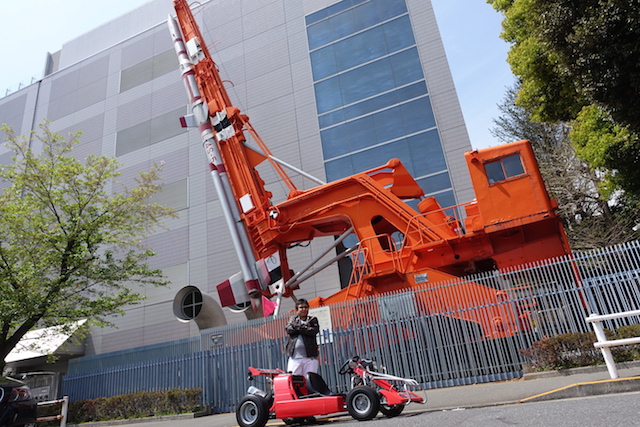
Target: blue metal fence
<point>439,350</point>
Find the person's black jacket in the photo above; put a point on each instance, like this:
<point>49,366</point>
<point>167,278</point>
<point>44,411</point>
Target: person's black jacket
<point>307,330</point>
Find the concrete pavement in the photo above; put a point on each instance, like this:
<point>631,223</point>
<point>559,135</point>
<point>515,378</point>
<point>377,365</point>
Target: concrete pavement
<point>578,382</point>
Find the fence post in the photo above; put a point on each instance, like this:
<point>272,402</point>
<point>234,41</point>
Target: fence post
<point>64,410</point>
<point>606,351</point>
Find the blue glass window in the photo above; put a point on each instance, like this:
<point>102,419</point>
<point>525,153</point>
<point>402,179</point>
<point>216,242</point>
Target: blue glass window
<point>374,104</point>
<point>504,168</point>
<point>417,115</point>
<point>371,94</point>
<point>387,9</point>
<point>381,127</point>
<point>339,7</point>
<point>435,183</point>
<point>328,95</point>
<point>323,62</point>
<point>406,67</point>
<point>362,133</point>
<point>343,24</point>
<point>335,142</point>
<point>361,48</point>
<point>426,152</point>
<point>331,118</point>
<point>366,15</point>
<point>319,34</point>
<point>339,168</point>
<point>379,156</point>
<point>366,81</point>
<point>398,34</point>
<point>446,199</point>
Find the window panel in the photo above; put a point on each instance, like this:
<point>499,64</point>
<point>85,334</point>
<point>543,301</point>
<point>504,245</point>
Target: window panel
<point>335,142</point>
<point>373,104</point>
<point>406,67</point>
<point>504,168</point>
<point>338,7</point>
<point>323,62</point>
<point>389,125</point>
<point>388,9</point>
<point>339,168</point>
<point>446,199</point>
<point>330,119</point>
<point>412,91</point>
<point>343,24</point>
<point>366,15</point>
<point>328,94</point>
<point>316,16</point>
<point>361,133</point>
<point>435,183</point>
<point>173,195</point>
<point>513,165</point>
<point>319,34</point>
<point>366,81</point>
<point>398,34</point>
<point>494,172</point>
<point>426,153</point>
<point>417,115</point>
<point>379,156</point>
<point>360,48</point>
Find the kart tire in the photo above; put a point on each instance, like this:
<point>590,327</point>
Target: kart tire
<point>391,411</point>
<point>252,411</point>
<point>363,403</point>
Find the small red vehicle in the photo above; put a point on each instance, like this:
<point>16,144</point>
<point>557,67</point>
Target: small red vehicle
<point>293,398</point>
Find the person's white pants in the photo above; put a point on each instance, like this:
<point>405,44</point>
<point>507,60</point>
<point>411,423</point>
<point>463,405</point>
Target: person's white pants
<point>303,365</point>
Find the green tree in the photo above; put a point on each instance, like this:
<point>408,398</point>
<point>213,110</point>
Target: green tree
<point>70,236</point>
<point>611,149</point>
<point>573,53</point>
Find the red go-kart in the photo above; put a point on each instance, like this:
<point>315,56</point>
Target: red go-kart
<point>293,398</point>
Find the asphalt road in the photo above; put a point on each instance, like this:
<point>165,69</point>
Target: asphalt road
<point>606,410</point>
<point>592,411</point>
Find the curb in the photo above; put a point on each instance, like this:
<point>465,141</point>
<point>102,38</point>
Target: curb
<point>620,385</point>
<point>175,417</point>
<point>574,371</point>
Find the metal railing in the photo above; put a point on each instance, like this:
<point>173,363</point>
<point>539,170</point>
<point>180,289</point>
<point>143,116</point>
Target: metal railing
<point>62,416</point>
<point>441,348</point>
<point>603,343</point>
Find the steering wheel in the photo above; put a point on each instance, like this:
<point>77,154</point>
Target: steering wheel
<point>346,366</point>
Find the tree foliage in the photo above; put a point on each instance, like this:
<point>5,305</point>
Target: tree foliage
<point>611,149</point>
<point>70,236</point>
<point>573,53</point>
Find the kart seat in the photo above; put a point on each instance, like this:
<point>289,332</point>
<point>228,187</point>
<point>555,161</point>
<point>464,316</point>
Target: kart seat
<point>315,384</point>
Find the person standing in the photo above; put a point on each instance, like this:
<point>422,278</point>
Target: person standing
<point>302,347</point>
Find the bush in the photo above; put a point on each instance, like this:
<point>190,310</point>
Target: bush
<point>135,405</point>
<point>576,349</point>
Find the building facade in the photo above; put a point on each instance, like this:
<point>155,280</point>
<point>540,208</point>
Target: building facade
<point>332,87</point>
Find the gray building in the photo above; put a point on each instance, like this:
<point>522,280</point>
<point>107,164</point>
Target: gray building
<point>332,87</point>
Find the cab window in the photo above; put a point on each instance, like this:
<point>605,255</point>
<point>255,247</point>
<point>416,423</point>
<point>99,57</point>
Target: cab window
<point>506,167</point>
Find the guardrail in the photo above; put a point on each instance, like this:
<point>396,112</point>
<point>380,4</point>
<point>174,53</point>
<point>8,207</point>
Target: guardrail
<point>603,344</point>
<point>62,416</point>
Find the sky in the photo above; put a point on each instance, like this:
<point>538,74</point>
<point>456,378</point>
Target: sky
<point>470,32</point>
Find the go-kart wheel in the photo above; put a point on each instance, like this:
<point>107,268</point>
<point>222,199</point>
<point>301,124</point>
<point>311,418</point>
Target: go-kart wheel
<point>252,411</point>
<point>363,403</point>
<point>391,411</point>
